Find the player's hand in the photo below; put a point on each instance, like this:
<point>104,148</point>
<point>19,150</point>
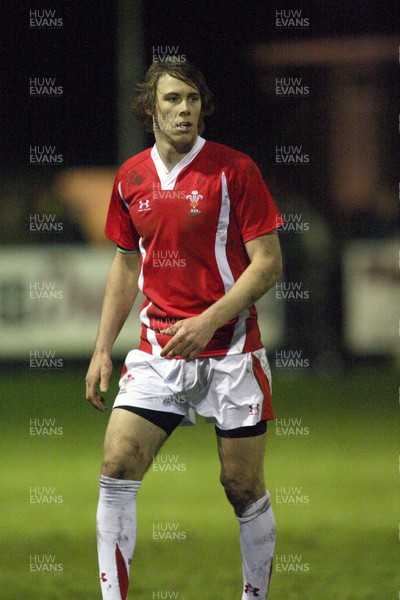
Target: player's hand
<point>191,336</point>
<point>100,368</point>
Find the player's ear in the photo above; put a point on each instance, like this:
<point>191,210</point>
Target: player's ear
<point>148,111</point>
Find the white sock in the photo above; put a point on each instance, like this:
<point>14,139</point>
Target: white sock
<point>116,534</point>
<point>257,544</point>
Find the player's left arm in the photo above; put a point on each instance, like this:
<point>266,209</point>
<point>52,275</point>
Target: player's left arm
<point>192,335</point>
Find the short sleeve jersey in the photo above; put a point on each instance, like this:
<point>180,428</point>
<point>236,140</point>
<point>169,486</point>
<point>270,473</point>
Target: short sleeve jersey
<point>190,226</point>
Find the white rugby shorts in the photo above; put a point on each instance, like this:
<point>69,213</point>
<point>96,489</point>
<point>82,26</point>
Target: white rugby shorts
<point>232,391</point>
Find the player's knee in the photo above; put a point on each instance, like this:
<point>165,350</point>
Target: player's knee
<point>123,464</point>
<point>112,467</point>
<point>240,493</point>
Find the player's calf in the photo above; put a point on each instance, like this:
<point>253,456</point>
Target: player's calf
<point>116,535</point>
<point>130,444</point>
<point>242,476</point>
<point>257,545</point>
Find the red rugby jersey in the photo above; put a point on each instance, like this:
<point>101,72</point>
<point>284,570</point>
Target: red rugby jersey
<point>190,226</point>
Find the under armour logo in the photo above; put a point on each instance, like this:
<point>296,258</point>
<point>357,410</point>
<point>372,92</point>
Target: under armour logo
<point>103,577</point>
<point>254,409</point>
<point>144,205</point>
<point>250,589</point>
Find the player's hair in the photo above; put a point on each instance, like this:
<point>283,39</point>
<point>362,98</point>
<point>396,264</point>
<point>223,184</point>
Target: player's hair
<point>187,72</point>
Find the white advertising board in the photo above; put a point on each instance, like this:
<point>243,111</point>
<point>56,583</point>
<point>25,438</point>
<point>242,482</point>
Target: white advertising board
<point>51,297</point>
<point>372,296</point>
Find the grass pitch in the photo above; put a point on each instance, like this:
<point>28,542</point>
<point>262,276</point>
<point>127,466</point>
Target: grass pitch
<point>331,469</point>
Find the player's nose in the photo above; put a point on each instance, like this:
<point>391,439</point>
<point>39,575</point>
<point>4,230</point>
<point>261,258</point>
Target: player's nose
<point>184,107</point>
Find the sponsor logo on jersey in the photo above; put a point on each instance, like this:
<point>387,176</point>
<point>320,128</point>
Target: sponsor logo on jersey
<point>144,205</point>
<point>194,199</point>
<point>254,409</point>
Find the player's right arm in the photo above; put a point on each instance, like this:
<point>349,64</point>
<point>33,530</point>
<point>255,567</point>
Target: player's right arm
<point>120,294</point>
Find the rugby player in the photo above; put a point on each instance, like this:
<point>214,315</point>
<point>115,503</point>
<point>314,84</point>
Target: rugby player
<point>195,229</point>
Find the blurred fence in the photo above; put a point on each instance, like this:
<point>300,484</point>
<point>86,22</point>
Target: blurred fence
<point>51,297</point>
<point>372,296</point>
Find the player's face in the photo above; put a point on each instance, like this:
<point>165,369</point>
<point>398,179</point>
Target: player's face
<point>177,111</point>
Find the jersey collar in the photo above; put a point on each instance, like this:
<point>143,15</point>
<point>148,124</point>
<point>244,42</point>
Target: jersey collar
<point>168,180</point>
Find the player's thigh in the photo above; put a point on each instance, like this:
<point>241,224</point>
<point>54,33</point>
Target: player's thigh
<point>130,445</point>
<point>242,460</point>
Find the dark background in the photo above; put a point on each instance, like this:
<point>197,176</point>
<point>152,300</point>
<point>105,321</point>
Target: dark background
<point>82,56</point>
<point>83,123</point>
